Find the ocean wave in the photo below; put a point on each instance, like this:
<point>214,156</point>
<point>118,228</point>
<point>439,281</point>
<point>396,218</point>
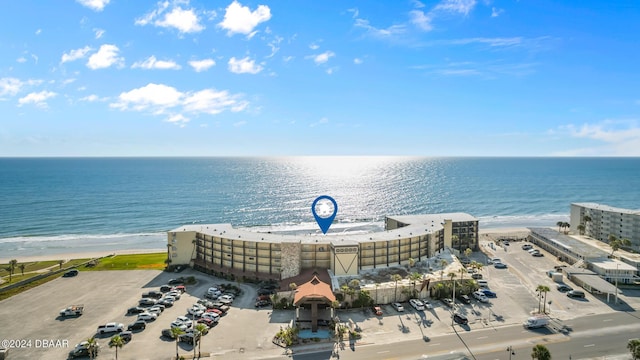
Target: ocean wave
<point>74,237</point>
<point>528,220</point>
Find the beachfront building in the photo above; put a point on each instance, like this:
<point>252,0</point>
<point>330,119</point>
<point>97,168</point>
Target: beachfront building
<point>223,249</point>
<point>604,220</point>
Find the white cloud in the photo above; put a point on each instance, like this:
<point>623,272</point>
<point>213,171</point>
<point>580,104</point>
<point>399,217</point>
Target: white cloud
<point>354,11</point>
<point>92,98</point>
<point>456,6</point>
<point>38,99</point>
<point>274,45</point>
<point>287,58</point>
<point>494,42</point>
<point>314,46</point>
<point>202,65</point>
<point>420,20</point>
<point>240,19</point>
<point>618,138</point>
<point>184,20</point>
<point>380,33</point>
<point>152,96</point>
<point>10,86</point>
<point>322,58</point>
<point>495,12</point>
<point>75,54</point>
<point>357,61</point>
<point>178,118</point>
<point>106,56</point>
<point>418,4</point>
<point>160,99</point>
<point>243,66</point>
<point>96,5</point>
<point>152,63</point>
<point>38,32</point>
<point>21,59</point>
<point>322,121</point>
<point>98,33</point>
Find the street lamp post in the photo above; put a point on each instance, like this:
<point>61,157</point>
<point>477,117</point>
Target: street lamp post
<point>617,274</point>
<point>453,302</point>
<point>511,352</point>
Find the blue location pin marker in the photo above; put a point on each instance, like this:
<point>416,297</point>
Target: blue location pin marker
<point>324,209</point>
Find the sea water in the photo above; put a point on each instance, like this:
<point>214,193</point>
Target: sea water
<point>62,205</point>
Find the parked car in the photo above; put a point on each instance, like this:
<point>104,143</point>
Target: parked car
<point>126,336</point>
<point>417,304</point>
<point>500,265</point>
<point>166,288</point>
<point>110,327</point>
<point>168,334</point>
<point>197,312</point>
<point>178,324</point>
<point>225,297</point>
<point>564,287</point>
<point>460,319</point>
<point>185,320</point>
<point>180,288</point>
<point>154,310</point>
<point>167,302</point>
<point>427,304</point>
<point>575,294</point>
<point>190,338</point>
<point>527,247</point>
<point>488,293</point>
<point>174,294</point>
<point>147,301</point>
<point>465,299</point>
<point>537,254</point>
<point>215,311</point>
<point>206,321</point>
<point>138,325</point>
<point>261,303</point>
<point>152,294</point>
<point>160,307</point>
<point>398,306</point>
<point>476,276</point>
<point>147,316</point>
<point>448,302</point>
<point>178,281</point>
<point>480,296</point>
<point>70,273</point>
<point>82,350</point>
<point>377,310</point>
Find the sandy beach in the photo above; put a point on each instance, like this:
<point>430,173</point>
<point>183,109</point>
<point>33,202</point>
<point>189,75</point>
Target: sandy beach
<point>484,234</point>
<point>81,255</point>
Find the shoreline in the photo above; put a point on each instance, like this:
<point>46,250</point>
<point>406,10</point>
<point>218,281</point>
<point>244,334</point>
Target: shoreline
<point>82,255</point>
<point>516,232</point>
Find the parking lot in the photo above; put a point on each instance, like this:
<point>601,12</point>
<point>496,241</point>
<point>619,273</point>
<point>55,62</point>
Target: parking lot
<point>106,296</point>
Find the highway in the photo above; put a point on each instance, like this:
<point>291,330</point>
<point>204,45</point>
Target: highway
<point>585,337</point>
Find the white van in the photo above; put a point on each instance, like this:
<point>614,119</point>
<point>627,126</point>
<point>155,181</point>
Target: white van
<point>483,283</point>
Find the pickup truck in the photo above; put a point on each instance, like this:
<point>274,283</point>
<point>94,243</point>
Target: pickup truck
<point>110,327</point>
<point>73,310</point>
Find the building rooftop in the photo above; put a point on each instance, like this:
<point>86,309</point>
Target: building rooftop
<point>569,243</point>
<point>419,225</point>
<point>603,207</point>
<point>612,264</point>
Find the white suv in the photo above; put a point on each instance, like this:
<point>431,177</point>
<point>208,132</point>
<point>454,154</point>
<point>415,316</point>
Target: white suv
<point>480,296</point>
<point>417,304</point>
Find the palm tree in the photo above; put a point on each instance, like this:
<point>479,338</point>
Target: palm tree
<point>354,284</point>
<point>292,286</point>
<point>581,229</point>
<point>176,332</point>
<point>634,347</point>
<point>566,225</point>
<point>616,243</point>
<point>22,266</point>
<point>200,329</point>
<point>540,352</point>
<point>468,252</point>
<point>116,342</point>
<point>60,262</point>
<point>395,278</point>
<point>92,346</point>
<point>414,277</point>
<point>12,267</point>
<point>412,262</point>
<point>452,275</point>
<point>348,292</point>
<point>544,289</point>
<point>560,225</point>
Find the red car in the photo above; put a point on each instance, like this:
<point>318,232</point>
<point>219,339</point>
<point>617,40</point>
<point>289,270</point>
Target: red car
<point>180,288</point>
<point>206,321</point>
<point>217,311</point>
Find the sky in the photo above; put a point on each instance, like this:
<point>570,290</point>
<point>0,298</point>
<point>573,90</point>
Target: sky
<point>308,77</point>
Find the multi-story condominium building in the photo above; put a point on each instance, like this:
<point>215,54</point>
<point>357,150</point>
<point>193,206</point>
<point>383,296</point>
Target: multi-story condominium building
<point>606,220</point>
<point>222,249</point>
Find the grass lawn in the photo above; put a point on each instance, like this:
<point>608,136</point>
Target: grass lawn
<point>153,261</point>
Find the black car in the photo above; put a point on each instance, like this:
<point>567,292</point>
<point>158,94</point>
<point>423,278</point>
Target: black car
<point>126,336</point>
<point>135,310</point>
<point>138,325</point>
<point>465,299</point>
<point>152,294</point>
<point>178,281</point>
<point>263,303</point>
<point>70,273</point>
<point>460,319</point>
<point>168,334</point>
<point>166,288</point>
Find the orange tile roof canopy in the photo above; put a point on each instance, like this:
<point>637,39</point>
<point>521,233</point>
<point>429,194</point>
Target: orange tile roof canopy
<point>314,289</point>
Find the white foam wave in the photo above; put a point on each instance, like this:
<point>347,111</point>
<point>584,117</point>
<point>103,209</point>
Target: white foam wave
<point>508,221</point>
<point>72,237</point>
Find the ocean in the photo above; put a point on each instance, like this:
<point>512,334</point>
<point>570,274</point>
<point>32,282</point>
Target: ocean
<point>68,205</point>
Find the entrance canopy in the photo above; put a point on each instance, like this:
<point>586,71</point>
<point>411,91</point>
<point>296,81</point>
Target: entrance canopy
<point>314,291</point>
